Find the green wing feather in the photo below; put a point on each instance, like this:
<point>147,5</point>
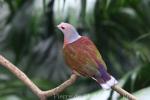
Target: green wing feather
<point>82,55</point>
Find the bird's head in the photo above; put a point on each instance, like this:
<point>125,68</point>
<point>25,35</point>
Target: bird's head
<point>70,33</point>
<point>66,28</point>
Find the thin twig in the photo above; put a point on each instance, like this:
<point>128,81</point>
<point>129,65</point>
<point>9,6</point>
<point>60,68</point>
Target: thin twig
<point>61,87</point>
<point>20,75</point>
<point>123,92</point>
<point>41,94</point>
<point>44,94</point>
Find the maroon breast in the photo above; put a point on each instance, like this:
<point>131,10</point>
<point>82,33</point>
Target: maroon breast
<point>81,56</point>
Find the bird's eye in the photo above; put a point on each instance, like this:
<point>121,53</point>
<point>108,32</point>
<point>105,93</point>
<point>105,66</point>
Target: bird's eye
<point>62,27</point>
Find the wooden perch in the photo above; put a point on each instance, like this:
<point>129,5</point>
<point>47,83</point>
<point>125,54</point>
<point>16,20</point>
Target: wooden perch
<point>41,94</point>
<point>44,94</point>
<point>123,92</point>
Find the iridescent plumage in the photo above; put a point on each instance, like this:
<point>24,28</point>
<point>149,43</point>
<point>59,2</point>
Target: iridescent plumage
<point>82,56</point>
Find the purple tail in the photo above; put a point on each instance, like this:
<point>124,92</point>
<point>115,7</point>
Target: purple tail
<point>104,79</point>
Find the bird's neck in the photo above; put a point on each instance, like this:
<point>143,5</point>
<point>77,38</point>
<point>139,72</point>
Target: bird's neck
<point>71,38</point>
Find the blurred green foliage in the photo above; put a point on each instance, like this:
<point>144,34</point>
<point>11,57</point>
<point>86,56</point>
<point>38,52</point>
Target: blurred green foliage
<point>28,37</point>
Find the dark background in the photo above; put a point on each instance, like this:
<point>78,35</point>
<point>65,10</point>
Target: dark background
<point>30,40</point>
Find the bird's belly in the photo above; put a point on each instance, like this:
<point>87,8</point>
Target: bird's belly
<point>82,58</point>
<point>83,67</point>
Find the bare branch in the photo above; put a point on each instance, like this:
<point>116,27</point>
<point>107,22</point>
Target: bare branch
<point>123,92</point>
<point>41,94</point>
<point>44,94</point>
<point>61,87</point>
<point>19,74</point>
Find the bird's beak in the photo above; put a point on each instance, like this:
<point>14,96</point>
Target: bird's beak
<point>58,26</point>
